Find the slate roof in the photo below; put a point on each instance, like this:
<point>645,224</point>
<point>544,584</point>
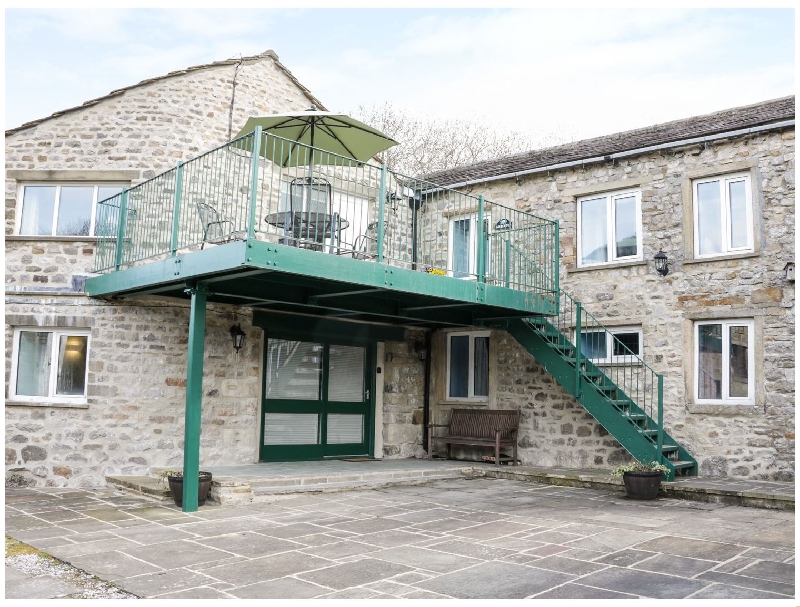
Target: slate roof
<point>266,54</point>
<point>733,119</point>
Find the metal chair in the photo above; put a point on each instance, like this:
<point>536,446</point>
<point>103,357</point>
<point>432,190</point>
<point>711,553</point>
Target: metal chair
<point>213,230</point>
<point>309,219</point>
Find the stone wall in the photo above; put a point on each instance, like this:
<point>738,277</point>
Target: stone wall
<point>755,441</point>
<point>136,396</point>
<point>133,419</point>
<point>403,397</point>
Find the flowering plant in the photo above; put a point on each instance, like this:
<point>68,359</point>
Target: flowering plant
<point>639,467</point>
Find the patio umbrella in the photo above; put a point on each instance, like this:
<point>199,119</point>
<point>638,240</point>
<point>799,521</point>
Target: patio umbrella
<point>336,133</point>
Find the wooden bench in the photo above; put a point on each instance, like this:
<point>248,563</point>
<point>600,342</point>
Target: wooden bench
<point>481,427</point>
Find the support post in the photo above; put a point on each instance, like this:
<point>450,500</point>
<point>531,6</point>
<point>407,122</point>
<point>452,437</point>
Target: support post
<point>121,226</point>
<point>660,435</point>
<point>557,268</point>
<point>481,234</point>
<point>508,263</point>
<point>381,212</point>
<point>194,397</point>
<point>176,208</point>
<point>251,224</point>
<point>578,391</point>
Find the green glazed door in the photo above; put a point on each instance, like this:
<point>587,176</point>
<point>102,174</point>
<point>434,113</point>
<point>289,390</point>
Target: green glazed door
<point>317,400</point>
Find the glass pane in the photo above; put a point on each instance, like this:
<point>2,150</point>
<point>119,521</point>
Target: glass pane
<point>346,374</point>
<point>107,191</point>
<point>481,371</point>
<point>739,375</point>
<point>594,224</point>
<point>291,428</point>
<point>738,214</point>
<point>709,362</point>
<point>626,344</point>
<point>626,240</point>
<point>709,219</point>
<point>593,345</point>
<point>33,363</point>
<point>38,206</point>
<point>459,366</point>
<point>344,428</point>
<point>71,379</point>
<point>75,210</point>
<point>294,369</point>
<point>461,228</point>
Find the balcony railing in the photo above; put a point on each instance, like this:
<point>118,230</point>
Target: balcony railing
<point>263,187</point>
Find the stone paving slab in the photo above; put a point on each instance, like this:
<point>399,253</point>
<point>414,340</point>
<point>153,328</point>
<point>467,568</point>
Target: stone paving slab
<point>463,538</point>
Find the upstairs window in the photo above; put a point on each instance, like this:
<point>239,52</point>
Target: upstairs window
<point>62,209</point>
<point>723,215</point>
<point>468,366</point>
<point>49,365</point>
<point>463,245</point>
<point>609,228</point>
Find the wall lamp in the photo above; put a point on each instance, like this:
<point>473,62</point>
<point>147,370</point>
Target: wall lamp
<point>420,351</point>
<point>237,335</point>
<point>662,267</point>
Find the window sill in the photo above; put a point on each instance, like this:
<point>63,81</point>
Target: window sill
<point>721,258</point>
<point>464,403</point>
<point>723,409</point>
<point>606,266</point>
<point>39,238</point>
<point>39,403</point>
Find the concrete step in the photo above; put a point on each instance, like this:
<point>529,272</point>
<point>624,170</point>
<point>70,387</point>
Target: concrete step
<point>147,486</point>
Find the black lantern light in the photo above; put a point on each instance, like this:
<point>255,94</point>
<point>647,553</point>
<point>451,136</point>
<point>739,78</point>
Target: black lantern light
<point>238,337</point>
<point>662,267</point>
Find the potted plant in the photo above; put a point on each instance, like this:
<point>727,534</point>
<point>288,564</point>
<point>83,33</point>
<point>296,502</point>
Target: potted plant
<point>642,481</point>
<point>174,479</point>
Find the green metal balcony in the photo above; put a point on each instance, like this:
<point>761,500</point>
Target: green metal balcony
<point>326,236</point>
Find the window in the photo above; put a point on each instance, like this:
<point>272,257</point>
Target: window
<point>609,228</point>
<point>621,346</point>
<point>468,366</point>
<point>724,367</point>
<point>49,365</point>
<point>463,246</point>
<point>723,215</point>
<point>62,209</point>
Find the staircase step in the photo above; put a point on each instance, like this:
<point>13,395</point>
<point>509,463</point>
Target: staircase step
<point>665,448</point>
<point>679,465</point>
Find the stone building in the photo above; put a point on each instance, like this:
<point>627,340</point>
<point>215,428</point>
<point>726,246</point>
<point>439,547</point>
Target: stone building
<point>97,384</point>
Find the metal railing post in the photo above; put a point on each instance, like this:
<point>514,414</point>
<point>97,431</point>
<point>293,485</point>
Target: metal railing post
<point>121,225</point>
<point>176,209</point>
<point>508,262</point>
<point>557,264</point>
<point>251,227</point>
<point>481,234</point>
<point>578,391</point>
<point>381,212</point>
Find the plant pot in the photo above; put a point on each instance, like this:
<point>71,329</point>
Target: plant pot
<point>642,485</point>
<point>203,487</point>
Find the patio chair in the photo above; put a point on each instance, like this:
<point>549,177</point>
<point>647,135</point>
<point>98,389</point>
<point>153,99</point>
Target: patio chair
<point>214,228</point>
<point>310,218</point>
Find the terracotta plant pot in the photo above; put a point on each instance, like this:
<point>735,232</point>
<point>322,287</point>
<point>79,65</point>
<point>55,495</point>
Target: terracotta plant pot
<point>642,485</point>
<point>176,486</point>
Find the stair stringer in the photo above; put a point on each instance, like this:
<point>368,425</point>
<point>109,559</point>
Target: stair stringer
<point>625,429</point>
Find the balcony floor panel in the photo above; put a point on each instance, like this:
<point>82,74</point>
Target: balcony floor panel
<point>277,277</point>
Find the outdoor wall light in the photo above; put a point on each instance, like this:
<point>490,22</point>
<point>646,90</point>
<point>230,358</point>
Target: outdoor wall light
<point>662,267</point>
<point>420,351</point>
<point>789,271</point>
<point>238,337</point>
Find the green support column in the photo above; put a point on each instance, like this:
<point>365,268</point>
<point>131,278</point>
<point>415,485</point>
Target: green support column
<point>121,226</point>
<point>578,391</point>
<point>194,397</point>
<point>381,212</point>
<point>251,221</point>
<point>481,233</point>
<point>176,208</point>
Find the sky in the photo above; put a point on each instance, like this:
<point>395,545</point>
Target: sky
<point>555,74</point>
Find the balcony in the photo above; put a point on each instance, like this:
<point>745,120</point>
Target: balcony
<point>326,235</point>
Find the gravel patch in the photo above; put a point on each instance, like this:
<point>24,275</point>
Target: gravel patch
<point>35,565</point>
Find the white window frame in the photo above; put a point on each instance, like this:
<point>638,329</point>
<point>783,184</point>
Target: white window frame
<point>611,227</point>
<point>58,185</point>
<point>725,224</point>
<point>751,375</point>
<point>610,358</point>
<point>51,397</point>
<point>472,265</point>
<point>471,397</point>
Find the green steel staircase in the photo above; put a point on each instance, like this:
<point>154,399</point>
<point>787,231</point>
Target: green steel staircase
<point>626,398</point>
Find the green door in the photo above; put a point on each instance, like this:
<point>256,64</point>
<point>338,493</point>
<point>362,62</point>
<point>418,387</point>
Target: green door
<point>317,400</point>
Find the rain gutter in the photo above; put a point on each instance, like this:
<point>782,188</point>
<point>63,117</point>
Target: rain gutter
<point>634,152</point>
